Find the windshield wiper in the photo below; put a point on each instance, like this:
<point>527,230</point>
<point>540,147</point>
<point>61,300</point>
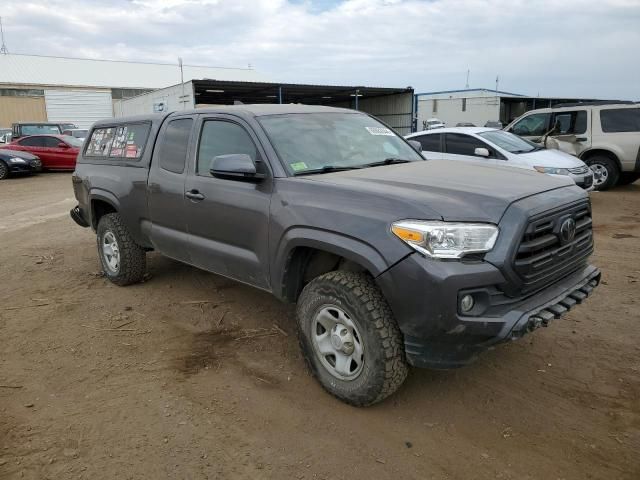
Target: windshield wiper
<point>325,169</point>
<point>386,161</point>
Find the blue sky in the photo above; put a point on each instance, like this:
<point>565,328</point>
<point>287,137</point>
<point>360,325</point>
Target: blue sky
<point>570,48</point>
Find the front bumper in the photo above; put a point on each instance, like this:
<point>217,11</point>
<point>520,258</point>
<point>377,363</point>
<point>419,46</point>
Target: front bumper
<point>29,166</point>
<point>423,295</point>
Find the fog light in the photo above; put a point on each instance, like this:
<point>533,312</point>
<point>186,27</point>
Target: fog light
<point>466,303</point>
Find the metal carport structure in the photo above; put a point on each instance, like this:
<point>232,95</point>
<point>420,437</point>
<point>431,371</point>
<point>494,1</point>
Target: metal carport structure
<point>393,106</point>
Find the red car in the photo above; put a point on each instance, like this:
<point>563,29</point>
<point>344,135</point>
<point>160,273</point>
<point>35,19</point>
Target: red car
<point>57,152</point>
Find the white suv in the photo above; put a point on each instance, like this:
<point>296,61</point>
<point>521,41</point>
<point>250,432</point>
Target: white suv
<point>607,136</point>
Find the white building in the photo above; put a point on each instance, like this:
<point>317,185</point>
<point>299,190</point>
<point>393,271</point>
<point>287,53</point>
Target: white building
<point>39,88</point>
<point>478,106</point>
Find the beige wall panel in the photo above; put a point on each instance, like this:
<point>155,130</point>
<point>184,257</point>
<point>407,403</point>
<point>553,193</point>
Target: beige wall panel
<point>22,109</point>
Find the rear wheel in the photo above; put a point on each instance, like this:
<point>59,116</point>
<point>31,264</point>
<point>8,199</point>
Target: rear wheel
<point>628,178</point>
<point>349,338</point>
<point>123,261</point>
<point>605,171</point>
<point>4,170</point>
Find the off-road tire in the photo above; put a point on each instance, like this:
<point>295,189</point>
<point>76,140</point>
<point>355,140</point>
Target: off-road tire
<point>627,178</point>
<point>4,170</point>
<point>385,367</point>
<point>613,172</point>
<point>133,259</point>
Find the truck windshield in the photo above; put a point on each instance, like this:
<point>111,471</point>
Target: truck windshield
<point>509,142</point>
<point>325,142</point>
<point>36,129</point>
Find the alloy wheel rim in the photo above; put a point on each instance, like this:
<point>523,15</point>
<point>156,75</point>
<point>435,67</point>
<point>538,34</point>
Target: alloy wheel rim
<point>337,342</point>
<point>111,252</point>
<point>600,173</point>
<point>3,170</point>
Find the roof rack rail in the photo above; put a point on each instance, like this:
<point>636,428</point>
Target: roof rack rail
<point>594,103</point>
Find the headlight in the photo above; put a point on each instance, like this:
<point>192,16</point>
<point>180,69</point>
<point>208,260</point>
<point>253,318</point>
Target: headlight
<point>446,240</point>
<point>552,170</point>
<point>17,160</point>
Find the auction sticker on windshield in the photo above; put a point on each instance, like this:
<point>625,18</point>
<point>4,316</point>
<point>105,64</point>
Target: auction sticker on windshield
<point>380,131</point>
<point>297,167</point>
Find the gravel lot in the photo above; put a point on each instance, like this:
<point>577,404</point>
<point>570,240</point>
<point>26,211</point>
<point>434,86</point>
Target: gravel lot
<point>193,376</point>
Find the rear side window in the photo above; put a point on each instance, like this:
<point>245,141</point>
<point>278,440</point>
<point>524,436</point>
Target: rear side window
<point>459,144</point>
<point>222,138</point>
<point>620,120</point>
<point>124,141</point>
<point>32,142</point>
<point>52,142</point>
<point>430,143</point>
<point>175,142</point>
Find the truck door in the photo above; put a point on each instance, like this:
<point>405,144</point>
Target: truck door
<point>165,188</point>
<point>228,219</point>
<point>573,123</point>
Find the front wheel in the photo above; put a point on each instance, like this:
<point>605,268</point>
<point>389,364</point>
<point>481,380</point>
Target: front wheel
<point>123,261</point>
<point>4,170</point>
<point>605,172</point>
<point>349,338</point>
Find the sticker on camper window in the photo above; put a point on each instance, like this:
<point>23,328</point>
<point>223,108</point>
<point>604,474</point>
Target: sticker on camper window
<point>297,167</point>
<point>380,131</point>
<point>131,151</point>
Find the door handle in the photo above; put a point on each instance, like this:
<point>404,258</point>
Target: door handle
<point>581,139</point>
<point>194,195</point>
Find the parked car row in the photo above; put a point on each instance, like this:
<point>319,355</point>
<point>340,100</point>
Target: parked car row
<point>487,146</point>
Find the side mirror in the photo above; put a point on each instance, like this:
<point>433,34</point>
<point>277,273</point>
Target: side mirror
<point>236,166</point>
<point>62,145</point>
<point>482,152</point>
<point>417,146</point>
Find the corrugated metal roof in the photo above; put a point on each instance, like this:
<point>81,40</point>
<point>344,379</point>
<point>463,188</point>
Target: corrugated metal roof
<point>78,72</point>
<point>467,90</point>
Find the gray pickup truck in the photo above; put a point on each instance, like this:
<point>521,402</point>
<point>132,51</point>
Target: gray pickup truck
<point>393,260</point>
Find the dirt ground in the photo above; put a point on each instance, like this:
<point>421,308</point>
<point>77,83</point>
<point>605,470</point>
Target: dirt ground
<point>192,376</point>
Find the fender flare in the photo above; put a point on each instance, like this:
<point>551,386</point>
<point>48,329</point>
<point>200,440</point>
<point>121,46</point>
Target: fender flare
<point>104,196</point>
<point>351,248</point>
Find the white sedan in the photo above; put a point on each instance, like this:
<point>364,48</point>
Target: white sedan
<point>496,147</point>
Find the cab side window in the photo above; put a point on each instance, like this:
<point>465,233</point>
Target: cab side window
<point>175,144</point>
<point>460,144</point>
<point>220,137</point>
<point>533,125</point>
<point>430,143</point>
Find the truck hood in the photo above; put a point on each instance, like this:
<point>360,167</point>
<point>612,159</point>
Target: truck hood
<point>455,191</point>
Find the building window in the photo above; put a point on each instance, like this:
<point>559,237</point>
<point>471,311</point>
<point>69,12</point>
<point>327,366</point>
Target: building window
<point>21,92</point>
<point>435,105</point>
<point>464,104</point>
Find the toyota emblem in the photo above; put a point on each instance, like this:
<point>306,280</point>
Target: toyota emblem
<point>568,230</point>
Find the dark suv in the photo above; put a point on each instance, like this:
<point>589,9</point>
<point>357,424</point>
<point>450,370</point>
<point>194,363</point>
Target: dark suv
<point>393,260</point>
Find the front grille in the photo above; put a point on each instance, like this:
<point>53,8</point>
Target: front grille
<point>579,170</point>
<point>544,255</point>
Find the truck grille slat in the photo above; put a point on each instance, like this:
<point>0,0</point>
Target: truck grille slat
<point>544,255</point>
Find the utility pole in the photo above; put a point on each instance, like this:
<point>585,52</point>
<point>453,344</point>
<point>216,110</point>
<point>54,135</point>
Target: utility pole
<point>466,85</point>
<point>182,98</point>
<point>3,49</point>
